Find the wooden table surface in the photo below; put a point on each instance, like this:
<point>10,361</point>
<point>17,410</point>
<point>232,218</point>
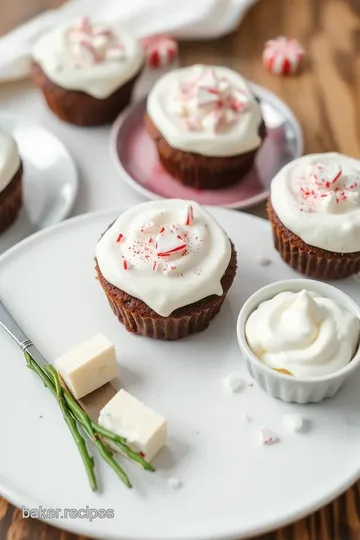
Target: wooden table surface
<point>326,100</point>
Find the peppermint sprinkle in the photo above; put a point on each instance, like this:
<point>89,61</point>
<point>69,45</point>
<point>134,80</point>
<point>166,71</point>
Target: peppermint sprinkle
<point>268,437</point>
<point>119,238</point>
<point>250,384</point>
<point>125,265</point>
<point>155,266</point>
<point>189,214</point>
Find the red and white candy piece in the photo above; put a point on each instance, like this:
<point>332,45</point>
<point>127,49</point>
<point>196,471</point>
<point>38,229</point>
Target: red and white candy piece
<point>324,175</point>
<point>267,436</point>
<point>207,96</point>
<point>283,56</point>
<point>189,214</point>
<point>169,243</point>
<point>160,50</point>
<point>83,24</point>
<point>213,121</point>
<point>208,80</point>
<point>239,100</point>
<point>88,52</point>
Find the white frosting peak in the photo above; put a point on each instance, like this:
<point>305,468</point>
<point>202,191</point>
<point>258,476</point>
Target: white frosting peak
<point>208,110</point>
<point>317,197</point>
<point>169,254</point>
<point>9,159</point>
<point>91,57</point>
<point>303,333</point>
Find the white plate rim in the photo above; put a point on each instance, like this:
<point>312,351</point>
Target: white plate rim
<point>73,184</point>
<point>252,201</point>
<point>75,526</point>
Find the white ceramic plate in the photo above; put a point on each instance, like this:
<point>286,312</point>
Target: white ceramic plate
<point>50,179</point>
<point>136,159</point>
<point>232,487</point>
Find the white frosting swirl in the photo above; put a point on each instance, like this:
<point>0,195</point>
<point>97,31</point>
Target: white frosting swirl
<point>317,197</point>
<point>303,333</point>
<point>9,159</point>
<point>93,58</point>
<point>208,110</point>
<point>168,254</point>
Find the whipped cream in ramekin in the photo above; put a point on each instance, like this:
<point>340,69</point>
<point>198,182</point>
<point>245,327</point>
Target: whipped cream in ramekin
<point>303,333</point>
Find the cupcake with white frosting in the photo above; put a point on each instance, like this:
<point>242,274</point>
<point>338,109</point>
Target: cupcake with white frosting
<point>206,124</point>
<point>10,180</point>
<point>314,209</point>
<point>166,267</point>
<point>87,71</point>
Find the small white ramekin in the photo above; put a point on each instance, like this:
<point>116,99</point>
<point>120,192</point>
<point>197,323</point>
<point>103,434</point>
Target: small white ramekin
<point>280,385</point>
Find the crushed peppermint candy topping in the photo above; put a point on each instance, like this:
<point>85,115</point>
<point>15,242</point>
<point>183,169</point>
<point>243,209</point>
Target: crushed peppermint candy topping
<point>91,43</point>
<point>324,187</point>
<point>165,246</point>
<point>267,436</point>
<point>169,243</point>
<point>209,103</point>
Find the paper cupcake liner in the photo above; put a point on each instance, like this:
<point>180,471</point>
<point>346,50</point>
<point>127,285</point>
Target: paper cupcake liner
<point>308,260</point>
<point>165,328</point>
<point>198,171</point>
<point>11,201</point>
<point>81,109</point>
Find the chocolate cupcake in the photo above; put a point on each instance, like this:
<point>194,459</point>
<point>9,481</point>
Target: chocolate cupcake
<point>87,71</point>
<point>206,124</point>
<point>314,209</point>
<point>165,267</point>
<point>10,181</point>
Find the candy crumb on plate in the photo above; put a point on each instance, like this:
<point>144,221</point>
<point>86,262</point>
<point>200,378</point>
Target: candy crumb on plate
<point>283,56</point>
<point>264,261</point>
<point>267,436</point>
<point>233,382</point>
<point>174,483</point>
<point>293,422</point>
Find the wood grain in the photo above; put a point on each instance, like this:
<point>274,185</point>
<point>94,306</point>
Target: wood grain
<point>326,100</point>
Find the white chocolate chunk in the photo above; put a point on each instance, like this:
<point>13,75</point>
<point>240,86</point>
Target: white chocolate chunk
<point>144,429</point>
<point>88,366</point>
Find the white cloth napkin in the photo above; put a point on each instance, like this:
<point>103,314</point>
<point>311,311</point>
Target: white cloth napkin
<point>185,19</point>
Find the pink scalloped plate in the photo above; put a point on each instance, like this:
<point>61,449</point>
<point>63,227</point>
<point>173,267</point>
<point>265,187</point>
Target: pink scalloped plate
<point>136,159</point>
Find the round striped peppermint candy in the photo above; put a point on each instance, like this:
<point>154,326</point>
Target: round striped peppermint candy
<point>160,50</point>
<point>283,56</point>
